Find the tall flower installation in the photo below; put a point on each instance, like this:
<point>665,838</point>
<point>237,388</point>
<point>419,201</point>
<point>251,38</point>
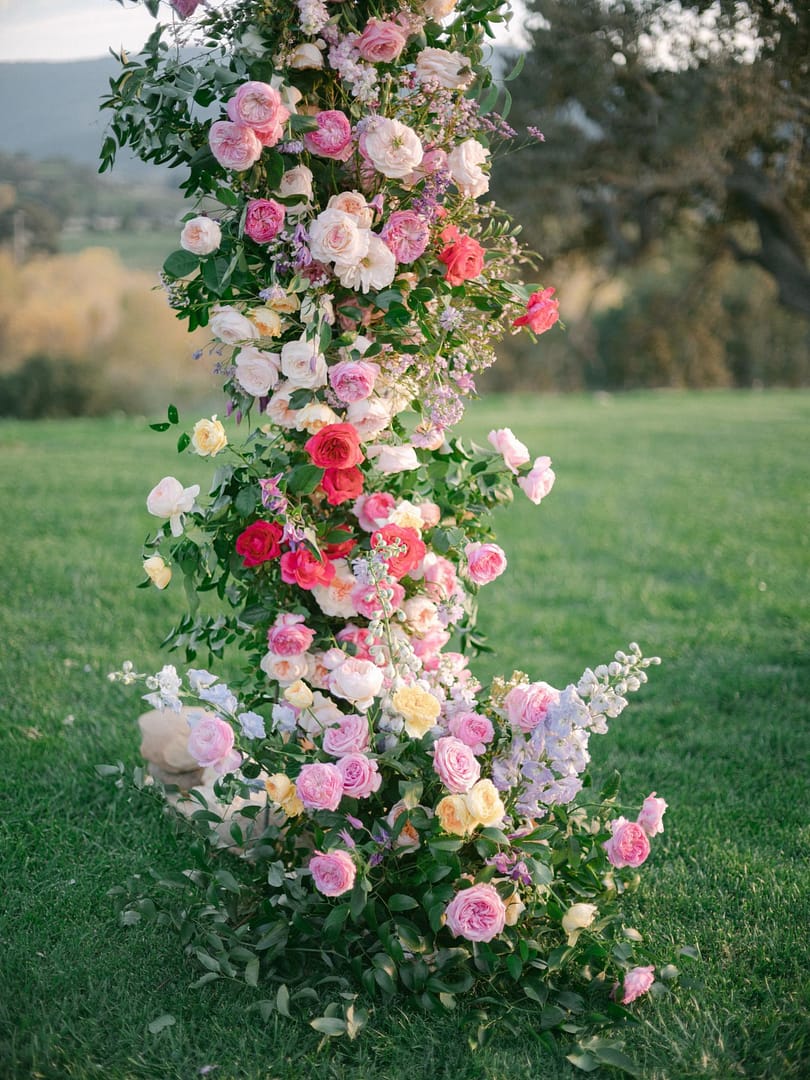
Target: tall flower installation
<point>426,834</point>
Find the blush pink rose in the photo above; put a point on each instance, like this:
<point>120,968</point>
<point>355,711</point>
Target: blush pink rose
<point>333,872</point>
<point>429,646</point>
<point>235,146</point>
<point>319,786</point>
<point>455,764</point>
<point>637,981</point>
<point>542,311</point>
<point>381,42</point>
<point>527,704</point>
<point>359,636</point>
<point>288,636</point>
<point>539,482</point>
<point>373,511</point>
<point>473,729</point>
<point>258,106</point>
<point>210,743</point>
<point>367,601</point>
<point>361,776</point>
<point>333,139</point>
<point>353,380</point>
<point>264,220</point>
<point>477,913</point>
<point>485,562</point>
<point>629,844</point>
<point>406,234</point>
<point>349,736</point>
<point>430,513</point>
<point>651,814</point>
<point>513,450</point>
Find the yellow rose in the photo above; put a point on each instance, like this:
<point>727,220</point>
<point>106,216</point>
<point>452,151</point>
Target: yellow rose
<point>454,816</point>
<point>484,804</point>
<point>157,571</point>
<point>282,791</point>
<point>209,437</point>
<point>419,709</point>
<point>266,321</point>
<point>299,695</point>
<point>514,909</point>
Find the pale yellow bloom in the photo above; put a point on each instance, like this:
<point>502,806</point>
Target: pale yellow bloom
<point>485,804</point>
<point>208,437</point>
<point>419,709</point>
<point>282,791</point>
<point>266,321</point>
<point>299,695</point>
<point>454,815</point>
<point>514,909</point>
<point>157,571</point>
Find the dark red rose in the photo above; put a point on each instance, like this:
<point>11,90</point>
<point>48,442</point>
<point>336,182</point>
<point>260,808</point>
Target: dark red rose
<point>408,559</point>
<point>341,485</point>
<point>304,569</point>
<point>335,446</point>
<point>259,542</point>
<point>343,548</point>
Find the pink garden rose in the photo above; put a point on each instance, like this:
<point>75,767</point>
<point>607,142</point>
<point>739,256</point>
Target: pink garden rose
<point>513,450</point>
<point>477,913</point>
<point>527,704</point>
<point>637,981</point>
<point>541,312</point>
<point>357,681</point>
<point>258,106</point>
<point>333,139</point>
<point>428,646</point>
<point>353,380</point>
<point>359,636</point>
<point>367,600</point>
<point>463,256</point>
<point>201,235</point>
<point>440,577</point>
<point>349,736</point>
<point>264,220</point>
<point>319,786</point>
<point>381,42</point>
<point>456,764</point>
<point>288,636</point>
<point>485,562</point>
<point>235,146</point>
<point>333,872</point>
<point>629,844</point>
<point>361,776</point>
<point>373,511</point>
<point>649,818</point>
<point>473,729</point>
<point>210,743</point>
<point>406,234</point>
<point>430,513</point>
<point>539,482</point>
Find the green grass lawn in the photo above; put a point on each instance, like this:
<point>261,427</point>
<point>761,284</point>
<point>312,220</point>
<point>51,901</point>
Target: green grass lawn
<point>678,520</point>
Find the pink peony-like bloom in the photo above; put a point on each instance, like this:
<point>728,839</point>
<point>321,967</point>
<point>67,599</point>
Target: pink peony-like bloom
<point>440,577</point>
<point>349,736</point>
<point>513,450</point>
<point>541,312</point>
<point>367,600</point>
<point>430,513</point>
<point>210,743</point>
<point>319,786</point>
<point>353,380</point>
<point>485,562</point>
<point>333,139</point>
<point>455,764</point>
<point>264,220</point>
<point>359,636</point>
<point>357,681</point>
<point>629,844</point>
<point>637,981</point>
<point>528,703</point>
<point>258,106</point>
<point>373,511</point>
<point>406,234</point>
<point>235,146</point>
<point>381,42</point>
<point>473,729</point>
<point>477,913</point>
<point>288,636</point>
<point>649,818</point>
<point>539,481</point>
<point>361,776</point>
<point>333,872</point>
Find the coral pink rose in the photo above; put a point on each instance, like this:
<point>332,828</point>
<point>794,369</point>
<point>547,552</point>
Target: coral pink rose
<point>258,106</point>
<point>381,42</point>
<point>473,729</point>
<point>485,562</point>
<point>304,569</point>
<point>527,704</point>
<point>288,636</point>
<point>353,380</point>
<point>649,818</point>
<point>539,482</point>
<point>210,743</point>
<point>455,764</point>
<point>463,256</point>
<point>319,786</point>
<point>359,636</point>
<point>259,542</point>
<point>406,234</point>
<point>335,446</point>
<point>477,913</point>
<point>264,220</point>
<point>637,981</point>
<point>342,485</point>
<point>349,736</point>
<point>374,510</point>
<point>541,312</point>
<point>235,146</point>
<point>412,553</point>
<point>361,776</point>
<point>333,872</point>
<point>440,577</point>
<point>513,450</point>
<point>629,844</point>
<point>333,139</point>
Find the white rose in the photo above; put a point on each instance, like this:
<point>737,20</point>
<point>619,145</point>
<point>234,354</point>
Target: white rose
<point>354,204</point>
<point>464,163</point>
<point>314,416</point>
<point>407,515</point>
<point>286,670</point>
<point>376,270</point>
<point>297,181</point>
<point>201,236</point>
<point>303,365</point>
<point>290,95</point>
<point>392,459</point>
<point>370,416</point>
<point>335,236</point>
<point>335,599</point>
<point>438,9</point>
<point>393,148</point>
<point>257,371</point>
<point>157,571</point>
<point>278,407</point>
<point>358,681</point>
<point>450,70</point>
<point>169,499</point>
<point>322,713</point>
<point>228,325</point>
<point>578,917</point>
<point>306,55</point>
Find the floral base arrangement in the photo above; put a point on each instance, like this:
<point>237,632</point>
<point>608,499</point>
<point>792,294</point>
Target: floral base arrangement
<point>397,827</point>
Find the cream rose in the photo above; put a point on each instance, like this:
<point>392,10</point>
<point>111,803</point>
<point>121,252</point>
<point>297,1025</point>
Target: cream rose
<point>438,9</point>
<point>485,804</point>
<point>393,148</point>
<point>306,55</point>
<point>419,709</point>
<point>257,371</point>
<point>297,181</point>
<point>201,236</point>
<point>314,416</point>
<point>303,365</point>
<point>208,437</point>
<point>336,236</point>
<point>374,271</point>
<point>230,326</point>
<point>266,321</point>
<point>464,163</point>
<point>354,204</point>
<point>157,571</point>
<point>299,695</point>
<point>450,70</point>
<point>278,407</point>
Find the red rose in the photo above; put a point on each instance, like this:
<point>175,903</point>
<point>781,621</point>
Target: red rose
<point>304,569</point>
<point>414,549</point>
<point>340,550</point>
<point>463,256</point>
<point>335,446</point>
<point>542,311</point>
<point>259,542</point>
<point>341,485</point>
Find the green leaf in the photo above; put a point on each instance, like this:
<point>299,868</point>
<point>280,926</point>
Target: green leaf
<point>611,1055</point>
<point>303,479</point>
<point>583,1060</point>
<point>283,1000</point>
<point>610,788</point>
<point>183,442</point>
<point>516,70</point>
<point>329,1025</point>
<point>173,414</point>
<point>401,902</point>
<point>162,426</point>
<point>227,197</point>
<point>180,264</point>
<point>252,972</point>
<point>162,1022</point>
